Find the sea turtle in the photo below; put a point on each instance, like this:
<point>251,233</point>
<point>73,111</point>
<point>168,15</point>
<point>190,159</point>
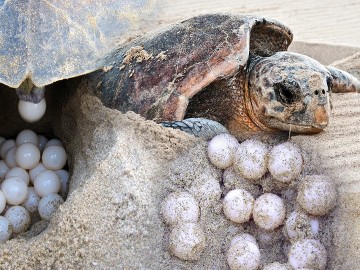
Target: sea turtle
<point>233,69</point>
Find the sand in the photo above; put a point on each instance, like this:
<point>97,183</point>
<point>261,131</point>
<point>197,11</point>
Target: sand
<point>122,166</point>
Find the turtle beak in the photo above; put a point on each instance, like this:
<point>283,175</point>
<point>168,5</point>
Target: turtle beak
<point>321,116</point>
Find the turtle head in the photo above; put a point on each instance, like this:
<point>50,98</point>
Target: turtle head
<point>289,91</point>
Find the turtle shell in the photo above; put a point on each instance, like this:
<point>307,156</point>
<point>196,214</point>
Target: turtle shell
<point>159,74</point>
<point>49,40</point>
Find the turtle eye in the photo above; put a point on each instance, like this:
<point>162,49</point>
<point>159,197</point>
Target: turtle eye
<point>287,92</point>
<point>329,83</point>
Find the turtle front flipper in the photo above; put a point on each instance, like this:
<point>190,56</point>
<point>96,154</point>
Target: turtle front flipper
<point>342,81</point>
<point>199,127</point>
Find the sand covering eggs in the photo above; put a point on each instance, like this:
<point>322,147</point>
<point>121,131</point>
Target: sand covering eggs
<point>257,184</point>
<point>31,175</point>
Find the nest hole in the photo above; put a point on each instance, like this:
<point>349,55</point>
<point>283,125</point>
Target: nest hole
<point>54,124</point>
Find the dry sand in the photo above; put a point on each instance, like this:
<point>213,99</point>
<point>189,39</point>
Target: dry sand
<point>123,166</point>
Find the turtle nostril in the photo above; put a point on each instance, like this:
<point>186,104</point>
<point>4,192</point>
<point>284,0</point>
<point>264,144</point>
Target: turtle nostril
<point>316,92</point>
<point>323,91</point>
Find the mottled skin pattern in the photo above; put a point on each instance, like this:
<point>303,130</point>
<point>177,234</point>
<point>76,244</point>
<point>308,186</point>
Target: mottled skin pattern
<point>228,68</point>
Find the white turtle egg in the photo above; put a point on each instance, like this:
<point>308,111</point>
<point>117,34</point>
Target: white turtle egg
<point>2,201</point>
<point>251,159</point>
<point>15,190</point>
<point>31,201</point>
<point>19,218</point>
<point>27,156</point>
<point>27,136</point>
<point>243,237</point>
<point>48,205</point>
<point>180,207</point>
<point>42,141</point>
<point>5,229</point>
<point>3,169</point>
<point>269,211</point>
<point>10,157</point>
<point>277,266</point>
<point>34,172</point>
<point>316,194</point>
<point>243,254</point>
<point>285,162</point>
<point>32,112</point>
<point>221,150</point>
<point>47,182</point>
<point>64,179</point>
<point>187,241</point>
<point>54,157</point>
<point>54,142</point>
<point>298,226</point>
<point>19,172</point>
<point>238,205</point>
<point>308,253</point>
<point>6,146</point>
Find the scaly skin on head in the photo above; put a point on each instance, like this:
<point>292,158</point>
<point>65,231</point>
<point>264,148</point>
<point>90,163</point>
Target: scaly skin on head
<point>27,91</point>
<point>289,91</point>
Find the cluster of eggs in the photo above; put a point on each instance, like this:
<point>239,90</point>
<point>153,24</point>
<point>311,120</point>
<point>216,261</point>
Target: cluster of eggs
<point>316,196</point>
<point>32,180</point>
<point>249,163</point>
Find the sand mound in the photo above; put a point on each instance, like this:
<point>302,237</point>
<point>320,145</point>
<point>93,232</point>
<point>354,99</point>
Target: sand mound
<point>123,166</point>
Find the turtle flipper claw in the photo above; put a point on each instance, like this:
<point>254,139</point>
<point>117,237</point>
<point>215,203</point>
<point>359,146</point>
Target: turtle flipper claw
<point>199,127</point>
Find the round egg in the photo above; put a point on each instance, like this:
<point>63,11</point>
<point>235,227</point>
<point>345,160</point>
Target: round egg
<point>221,150</point>
<point>42,141</point>
<point>269,211</point>
<point>64,179</point>
<point>18,172</point>
<point>285,162</point>
<point>6,146</point>
<point>54,142</point>
<point>180,207</point>
<point>48,205</point>
<point>54,157</point>
<point>238,205</point>
<point>10,157</point>
<point>317,194</point>
<point>47,182</point>
<point>3,169</point>
<point>35,171</point>
<point>27,156</point>
<point>32,112</point>
<point>27,136</point>
<point>251,159</point>
<point>206,190</point>
<point>187,241</point>
<point>5,229</point>
<point>243,237</point>
<point>2,201</point>
<point>243,254</point>
<point>31,201</point>
<point>298,226</point>
<point>19,218</point>
<point>15,190</point>
<point>308,253</point>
